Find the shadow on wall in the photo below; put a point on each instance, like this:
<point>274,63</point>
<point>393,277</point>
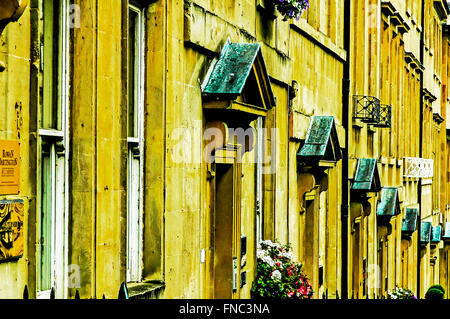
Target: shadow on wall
<point>10,11</point>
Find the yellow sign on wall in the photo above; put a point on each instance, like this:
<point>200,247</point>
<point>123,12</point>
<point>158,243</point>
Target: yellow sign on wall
<point>9,167</point>
<point>11,228</point>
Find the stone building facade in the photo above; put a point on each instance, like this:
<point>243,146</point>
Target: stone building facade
<point>161,140</point>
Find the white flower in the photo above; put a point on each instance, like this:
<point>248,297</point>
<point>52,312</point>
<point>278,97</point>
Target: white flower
<point>260,254</point>
<point>287,255</point>
<point>268,261</point>
<point>276,275</point>
<point>268,243</point>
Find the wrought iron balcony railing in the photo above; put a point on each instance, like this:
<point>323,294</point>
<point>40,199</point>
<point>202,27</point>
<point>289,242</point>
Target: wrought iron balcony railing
<point>366,108</point>
<point>385,116</point>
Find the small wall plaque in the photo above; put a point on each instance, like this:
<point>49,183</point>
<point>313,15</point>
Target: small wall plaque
<point>9,167</point>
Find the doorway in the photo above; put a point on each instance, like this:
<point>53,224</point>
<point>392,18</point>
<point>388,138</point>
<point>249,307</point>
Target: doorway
<point>226,232</point>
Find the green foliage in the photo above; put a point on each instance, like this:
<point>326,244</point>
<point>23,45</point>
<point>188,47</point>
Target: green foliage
<point>439,287</point>
<point>434,294</point>
<point>278,275</point>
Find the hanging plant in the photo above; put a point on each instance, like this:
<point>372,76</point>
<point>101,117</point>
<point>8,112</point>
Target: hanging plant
<point>278,275</point>
<point>291,8</point>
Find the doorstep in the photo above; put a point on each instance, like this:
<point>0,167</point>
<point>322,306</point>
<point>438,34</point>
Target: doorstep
<point>145,290</point>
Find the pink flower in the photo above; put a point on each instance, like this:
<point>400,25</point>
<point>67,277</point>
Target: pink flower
<point>301,290</point>
<point>290,294</point>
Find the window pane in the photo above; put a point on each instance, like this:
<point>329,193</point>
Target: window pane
<point>135,108</point>
<point>133,73</point>
<point>58,246</point>
<point>134,218</point>
<point>50,111</point>
<point>45,231</point>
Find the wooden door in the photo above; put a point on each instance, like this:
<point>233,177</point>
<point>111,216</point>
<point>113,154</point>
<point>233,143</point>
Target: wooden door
<point>226,231</point>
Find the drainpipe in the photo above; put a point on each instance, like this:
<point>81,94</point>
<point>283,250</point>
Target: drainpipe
<point>345,121</point>
<point>419,186</point>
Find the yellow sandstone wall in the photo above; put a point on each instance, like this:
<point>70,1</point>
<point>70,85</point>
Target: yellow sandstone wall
<point>16,123</point>
<point>305,61</point>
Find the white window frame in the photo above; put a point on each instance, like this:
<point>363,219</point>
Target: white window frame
<point>57,140</point>
<point>135,176</point>
<point>259,181</point>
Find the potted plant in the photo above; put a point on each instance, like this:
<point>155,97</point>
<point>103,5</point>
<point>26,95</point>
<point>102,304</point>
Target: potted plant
<point>278,275</point>
<point>401,293</point>
<point>291,8</point>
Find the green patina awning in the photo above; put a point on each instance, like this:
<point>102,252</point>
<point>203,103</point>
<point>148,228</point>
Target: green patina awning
<point>425,232</point>
<point>389,205</point>
<point>226,78</point>
<point>436,234</point>
<point>322,142</point>
<point>446,232</point>
<point>366,177</point>
<point>409,225</point>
